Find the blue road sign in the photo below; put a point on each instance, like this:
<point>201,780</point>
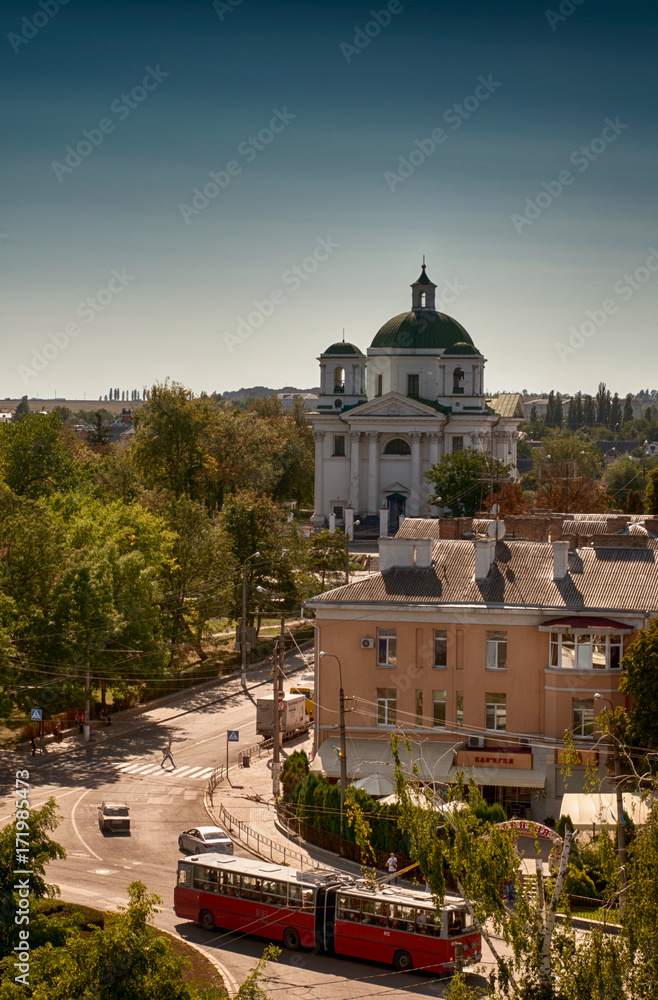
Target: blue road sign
<point>233,736</point>
<point>35,715</point>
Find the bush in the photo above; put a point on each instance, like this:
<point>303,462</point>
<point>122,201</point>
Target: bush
<point>578,883</point>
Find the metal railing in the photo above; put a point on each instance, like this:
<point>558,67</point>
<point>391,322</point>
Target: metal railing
<point>258,844</point>
<point>256,750</point>
<point>217,775</point>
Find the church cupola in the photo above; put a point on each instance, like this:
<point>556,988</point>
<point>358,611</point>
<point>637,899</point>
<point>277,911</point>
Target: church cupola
<point>342,376</point>
<point>422,292</point>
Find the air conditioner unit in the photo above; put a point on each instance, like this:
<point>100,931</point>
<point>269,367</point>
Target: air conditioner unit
<point>367,643</point>
<point>476,741</point>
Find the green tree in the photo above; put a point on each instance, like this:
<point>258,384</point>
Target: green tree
<point>461,480</point>
<point>651,493</point>
<point>326,557</point>
<point>640,680</point>
<point>615,414</point>
<point>25,843</point>
<point>168,443</point>
<point>623,476</point>
<point>627,416</point>
<point>36,457</point>
<point>22,409</point>
<point>589,411</point>
<point>100,434</point>
<point>199,577</point>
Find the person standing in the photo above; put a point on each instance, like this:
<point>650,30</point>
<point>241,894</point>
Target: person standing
<point>166,755</point>
<point>33,744</point>
<point>392,865</point>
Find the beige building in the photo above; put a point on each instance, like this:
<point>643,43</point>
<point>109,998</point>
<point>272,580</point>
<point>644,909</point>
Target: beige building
<point>484,654</point>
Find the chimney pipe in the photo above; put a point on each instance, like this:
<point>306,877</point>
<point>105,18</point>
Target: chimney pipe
<point>485,550</point>
<point>560,560</point>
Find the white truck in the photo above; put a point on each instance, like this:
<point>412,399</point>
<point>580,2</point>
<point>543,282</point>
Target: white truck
<point>293,718</point>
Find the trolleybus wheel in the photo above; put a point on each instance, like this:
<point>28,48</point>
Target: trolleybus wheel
<point>402,961</point>
<point>291,939</point>
<point>207,920</point>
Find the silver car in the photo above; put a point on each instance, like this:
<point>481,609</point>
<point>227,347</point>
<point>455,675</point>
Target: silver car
<point>204,839</point>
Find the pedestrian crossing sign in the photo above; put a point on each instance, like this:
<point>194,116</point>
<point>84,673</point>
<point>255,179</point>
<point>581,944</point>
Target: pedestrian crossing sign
<point>233,735</point>
<point>35,715</point>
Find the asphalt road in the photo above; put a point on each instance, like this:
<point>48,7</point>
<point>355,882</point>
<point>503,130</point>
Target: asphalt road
<point>126,768</point>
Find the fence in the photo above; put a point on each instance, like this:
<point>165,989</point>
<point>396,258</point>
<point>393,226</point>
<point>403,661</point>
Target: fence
<point>256,750</point>
<point>256,842</point>
<point>217,775</point>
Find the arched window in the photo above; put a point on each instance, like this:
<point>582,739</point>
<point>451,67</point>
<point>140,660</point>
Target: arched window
<point>397,446</point>
<point>339,379</point>
<point>423,299</point>
<point>458,380</point>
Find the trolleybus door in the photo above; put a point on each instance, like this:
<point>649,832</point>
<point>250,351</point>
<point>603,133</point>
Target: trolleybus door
<point>325,915</point>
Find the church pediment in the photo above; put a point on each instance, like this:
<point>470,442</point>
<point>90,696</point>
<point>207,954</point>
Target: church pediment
<point>392,405</point>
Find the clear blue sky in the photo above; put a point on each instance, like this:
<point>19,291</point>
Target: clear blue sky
<point>181,274</point>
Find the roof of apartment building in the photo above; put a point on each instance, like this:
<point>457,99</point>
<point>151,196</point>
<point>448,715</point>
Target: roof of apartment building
<point>598,577</point>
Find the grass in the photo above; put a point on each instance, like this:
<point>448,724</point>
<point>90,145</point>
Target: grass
<point>608,915</point>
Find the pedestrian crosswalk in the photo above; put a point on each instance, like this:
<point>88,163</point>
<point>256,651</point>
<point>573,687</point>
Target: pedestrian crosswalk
<point>188,772</point>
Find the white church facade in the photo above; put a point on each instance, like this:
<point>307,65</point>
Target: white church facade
<point>384,418</point>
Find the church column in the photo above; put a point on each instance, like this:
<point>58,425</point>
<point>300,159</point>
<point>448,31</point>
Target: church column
<point>319,473</point>
<point>434,449</point>
<point>355,469</point>
<point>416,498</point>
<point>373,472</point>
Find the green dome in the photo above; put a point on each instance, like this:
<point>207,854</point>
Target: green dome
<point>462,349</point>
<point>424,329</point>
<point>342,348</point>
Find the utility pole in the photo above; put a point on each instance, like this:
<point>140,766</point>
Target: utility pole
<point>277,691</point>
<point>343,754</point>
<point>87,723</point>
<point>243,630</point>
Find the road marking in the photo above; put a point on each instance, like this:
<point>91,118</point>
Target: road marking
<point>75,827</point>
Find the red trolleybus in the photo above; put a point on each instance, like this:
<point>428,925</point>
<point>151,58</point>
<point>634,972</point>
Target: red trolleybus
<point>325,910</point>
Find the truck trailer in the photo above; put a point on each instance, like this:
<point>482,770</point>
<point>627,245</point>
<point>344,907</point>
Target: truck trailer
<point>292,716</point>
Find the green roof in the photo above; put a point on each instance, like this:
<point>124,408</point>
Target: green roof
<point>424,280</point>
<point>462,349</point>
<point>343,348</point>
<point>426,329</point>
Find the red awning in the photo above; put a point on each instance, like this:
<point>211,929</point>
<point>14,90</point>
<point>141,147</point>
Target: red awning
<point>585,624</point>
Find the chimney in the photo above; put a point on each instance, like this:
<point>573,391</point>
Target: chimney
<point>560,559</point>
<point>485,550</point>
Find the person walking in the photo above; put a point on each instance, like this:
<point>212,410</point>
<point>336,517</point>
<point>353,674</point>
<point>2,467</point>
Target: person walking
<point>392,865</point>
<point>166,754</point>
<point>33,744</point>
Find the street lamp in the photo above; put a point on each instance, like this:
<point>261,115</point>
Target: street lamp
<point>277,671</point>
<point>243,634</point>
<point>343,747</point>
<point>621,833</point>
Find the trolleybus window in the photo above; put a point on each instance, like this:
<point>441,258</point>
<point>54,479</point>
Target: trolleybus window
<point>185,876</point>
<point>274,893</point>
<point>299,897</point>
<point>250,887</point>
<point>348,908</point>
<point>458,922</point>
<point>206,878</point>
<point>403,918</point>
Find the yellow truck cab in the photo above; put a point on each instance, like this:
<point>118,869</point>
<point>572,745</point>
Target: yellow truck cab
<point>307,690</point>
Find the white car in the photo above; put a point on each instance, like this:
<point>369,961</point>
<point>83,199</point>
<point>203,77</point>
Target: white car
<point>204,839</point>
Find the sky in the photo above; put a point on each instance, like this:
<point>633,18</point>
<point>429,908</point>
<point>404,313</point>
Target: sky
<point>213,192</point>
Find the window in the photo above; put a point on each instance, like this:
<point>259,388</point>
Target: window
<point>458,443</point>
<point>387,706</point>
<point>413,385</point>
<point>496,712</point>
<point>496,651</point>
<point>440,648</point>
<point>339,444</point>
<point>459,708</point>
<point>583,717</point>
<point>339,380</point>
<point>586,651</point>
<point>338,512</point>
<point>458,380</point>
<point>379,383</point>
<point>439,709</point>
<point>397,447</point>
<point>386,647</point>
<point>419,707</point>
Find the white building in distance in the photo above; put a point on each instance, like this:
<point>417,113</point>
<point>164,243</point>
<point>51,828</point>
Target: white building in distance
<point>386,417</point>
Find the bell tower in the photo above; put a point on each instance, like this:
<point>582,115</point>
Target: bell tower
<point>422,293</point>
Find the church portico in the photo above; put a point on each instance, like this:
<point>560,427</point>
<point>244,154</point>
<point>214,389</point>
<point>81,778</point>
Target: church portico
<point>425,399</point>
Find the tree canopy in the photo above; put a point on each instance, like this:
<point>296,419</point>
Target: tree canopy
<point>462,479</point>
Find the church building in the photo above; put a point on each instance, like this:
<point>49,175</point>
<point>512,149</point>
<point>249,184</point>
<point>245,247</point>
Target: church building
<point>385,417</point>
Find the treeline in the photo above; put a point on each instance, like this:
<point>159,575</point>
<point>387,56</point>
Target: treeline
<point>110,555</point>
<point>603,412</point>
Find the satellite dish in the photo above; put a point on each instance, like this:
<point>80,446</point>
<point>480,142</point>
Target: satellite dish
<point>495,510</point>
<point>497,530</point>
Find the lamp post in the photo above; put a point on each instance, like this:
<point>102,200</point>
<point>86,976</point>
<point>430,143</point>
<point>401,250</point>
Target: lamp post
<point>343,747</point>
<point>349,535</point>
<point>621,833</point>
<point>277,671</point>
<point>243,632</point>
